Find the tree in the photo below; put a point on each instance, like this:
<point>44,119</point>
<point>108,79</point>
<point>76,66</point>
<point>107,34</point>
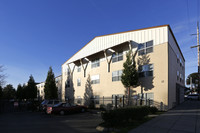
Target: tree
<point>19,93</point>
<point>9,92</point>
<point>129,76</point>
<point>1,92</point>
<point>88,95</point>
<point>50,89</point>
<point>2,76</point>
<point>195,79</point>
<point>31,89</point>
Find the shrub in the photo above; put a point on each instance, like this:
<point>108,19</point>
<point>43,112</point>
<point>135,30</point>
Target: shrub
<point>153,110</point>
<point>123,115</point>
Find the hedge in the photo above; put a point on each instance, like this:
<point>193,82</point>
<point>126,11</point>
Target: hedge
<point>124,115</point>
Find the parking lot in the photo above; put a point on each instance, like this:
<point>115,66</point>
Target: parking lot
<point>38,122</point>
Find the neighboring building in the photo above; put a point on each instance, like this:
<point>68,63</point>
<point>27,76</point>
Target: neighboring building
<point>161,66</point>
<point>58,80</point>
<point>40,87</point>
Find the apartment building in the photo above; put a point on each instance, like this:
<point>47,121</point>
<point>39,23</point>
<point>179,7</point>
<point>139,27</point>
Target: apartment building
<point>160,63</point>
<point>40,88</point>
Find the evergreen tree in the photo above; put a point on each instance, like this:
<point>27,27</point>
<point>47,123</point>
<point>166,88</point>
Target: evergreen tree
<point>129,76</point>
<point>31,89</point>
<point>9,92</point>
<point>88,95</point>
<point>24,92</point>
<point>50,89</point>
<point>19,93</point>
<point>1,92</point>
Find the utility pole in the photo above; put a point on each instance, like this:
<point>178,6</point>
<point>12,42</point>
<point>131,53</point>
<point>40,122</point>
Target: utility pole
<point>191,83</point>
<point>198,49</point>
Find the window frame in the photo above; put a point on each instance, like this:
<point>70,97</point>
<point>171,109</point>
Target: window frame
<point>78,82</point>
<point>145,73</point>
<point>117,56</point>
<point>95,63</point>
<point>118,77</point>
<point>145,48</point>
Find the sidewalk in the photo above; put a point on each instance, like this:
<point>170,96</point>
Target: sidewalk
<point>185,118</point>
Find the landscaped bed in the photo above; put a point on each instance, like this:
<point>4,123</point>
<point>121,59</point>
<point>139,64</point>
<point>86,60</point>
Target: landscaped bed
<point>124,119</point>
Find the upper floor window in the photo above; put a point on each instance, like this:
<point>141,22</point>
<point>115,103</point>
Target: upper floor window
<point>95,79</point>
<point>95,63</point>
<point>78,82</point>
<point>177,58</point>
<point>67,84</point>
<point>145,70</point>
<point>78,68</point>
<point>178,75</point>
<point>145,48</point>
<point>116,75</point>
<point>117,57</point>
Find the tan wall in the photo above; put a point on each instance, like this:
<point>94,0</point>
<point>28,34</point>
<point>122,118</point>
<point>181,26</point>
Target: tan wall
<point>174,66</point>
<point>158,85</point>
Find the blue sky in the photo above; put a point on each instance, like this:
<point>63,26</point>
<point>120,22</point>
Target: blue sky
<point>36,34</point>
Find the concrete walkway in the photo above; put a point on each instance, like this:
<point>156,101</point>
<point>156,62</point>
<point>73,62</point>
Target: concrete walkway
<point>185,118</point>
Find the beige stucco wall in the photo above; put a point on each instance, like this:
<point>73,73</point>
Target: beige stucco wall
<point>158,84</point>
<point>174,66</point>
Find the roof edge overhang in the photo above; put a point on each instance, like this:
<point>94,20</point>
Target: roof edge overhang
<point>132,31</point>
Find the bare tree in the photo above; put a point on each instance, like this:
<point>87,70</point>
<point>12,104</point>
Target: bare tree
<point>2,76</point>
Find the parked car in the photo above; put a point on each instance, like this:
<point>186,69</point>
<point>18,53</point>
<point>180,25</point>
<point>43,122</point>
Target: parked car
<point>65,108</point>
<point>48,103</point>
<point>193,97</point>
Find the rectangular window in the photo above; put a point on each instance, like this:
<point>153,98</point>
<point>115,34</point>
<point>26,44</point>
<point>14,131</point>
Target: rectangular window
<point>67,84</point>
<point>95,79</point>
<point>181,62</point>
<point>95,63</point>
<point>145,70</point>
<point>117,57</point>
<point>78,68</point>
<point>177,58</point>
<point>116,75</point>
<point>145,48</point>
<point>79,82</point>
<point>177,75</point>
<point>181,77</point>
<point>96,99</point>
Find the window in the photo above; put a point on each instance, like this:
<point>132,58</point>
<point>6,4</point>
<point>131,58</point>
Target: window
<point>177,58</point>
<point>96,99</point>
<point>79,82</point>
<point>95,79</point>
<point>117,57</point>
<point>181,77</point>
<point>145,70</point>
<point>180,62</point>
<point>95,63</point>
<point>67,84</point>
<point>177,75</point>
<point>78,68</point>
<point>116,75</point>
<point>145,48</point>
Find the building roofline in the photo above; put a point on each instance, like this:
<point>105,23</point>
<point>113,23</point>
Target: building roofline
<point>127,32</point>
<point>176,42</point>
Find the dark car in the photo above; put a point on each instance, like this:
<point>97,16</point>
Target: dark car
<point>48,103</point>
<point>65,108</point>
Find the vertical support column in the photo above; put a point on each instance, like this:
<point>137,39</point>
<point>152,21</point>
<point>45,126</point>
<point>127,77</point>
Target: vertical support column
<point>108,60</point>
<point>84,68</point>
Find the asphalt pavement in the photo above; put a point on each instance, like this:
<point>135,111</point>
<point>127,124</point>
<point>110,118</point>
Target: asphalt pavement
<point>38,122</point>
